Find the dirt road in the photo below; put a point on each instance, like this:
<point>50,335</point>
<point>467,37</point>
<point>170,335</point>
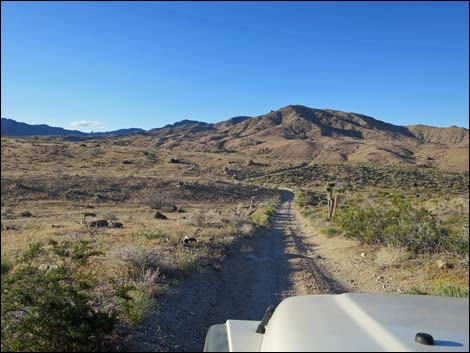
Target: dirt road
<point>276,263</point>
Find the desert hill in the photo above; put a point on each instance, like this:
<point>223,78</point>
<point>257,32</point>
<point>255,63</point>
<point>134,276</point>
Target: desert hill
<point>298,134</point>
<point>304,134</point>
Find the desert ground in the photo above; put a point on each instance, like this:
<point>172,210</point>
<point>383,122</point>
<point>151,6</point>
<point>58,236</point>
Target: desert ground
<point>179,230</point>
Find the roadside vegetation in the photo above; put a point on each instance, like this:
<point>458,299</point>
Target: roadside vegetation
<point>392,220</point>
<point>262,216</point>
<point>428,229</point>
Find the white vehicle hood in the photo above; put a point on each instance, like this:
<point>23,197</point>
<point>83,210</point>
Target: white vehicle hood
<point>357,322</point>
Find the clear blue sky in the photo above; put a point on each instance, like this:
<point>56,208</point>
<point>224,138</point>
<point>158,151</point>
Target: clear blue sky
<point>144,64</point>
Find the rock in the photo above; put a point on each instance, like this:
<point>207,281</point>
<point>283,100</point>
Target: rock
<point>187,240</point>
<point>102,223</point>
<point>159,215</point>
<point>113,224</point>
<point>443,264</point>
<point>363,254</point>
<point>8,228</point>
<point>43,267</point>
<point>47,267</point>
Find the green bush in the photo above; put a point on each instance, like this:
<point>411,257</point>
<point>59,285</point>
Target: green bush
<point>449,290</point>
<point>394,221</point>
<point>445,290</point>
<point>134,304</point>
<point>50,307</point>
<point>151,235</point>
<point>329,232</point>
<point>6,265</point>
<point>309,198</point>
<point>262,216</point>
<point>190,266</point>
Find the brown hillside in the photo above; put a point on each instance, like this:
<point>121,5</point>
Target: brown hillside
<point>453,135</point>
<point>298,134</point>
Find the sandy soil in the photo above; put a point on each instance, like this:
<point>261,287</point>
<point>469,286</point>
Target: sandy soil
<point>278,262</point>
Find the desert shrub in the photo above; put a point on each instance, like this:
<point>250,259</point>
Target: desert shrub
<point>444,290</point>
<point>262,216</point>
<point>190,266</point>
<point>198,218</point>
<point>6,265</point>
<point>138,261</point>
<point>329,232</point>
<point>161,202</point>
<point>202,218</point>
<point>308,198</point>
<point>133,304</point>
<point>270,210</point>
<point>245,229</point>
<point>51,308</point>
<point>135,292</point>
<point>416,291</point>
<point>110,216</point>
<point>394,221</point>
<point>242,222</point>
<point>449,290</point>
<point>151,234</point>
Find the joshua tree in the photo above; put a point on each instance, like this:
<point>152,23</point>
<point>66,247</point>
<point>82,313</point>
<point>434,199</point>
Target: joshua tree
<point>332,199</point>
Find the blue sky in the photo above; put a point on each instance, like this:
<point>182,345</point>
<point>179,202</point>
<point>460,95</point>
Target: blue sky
<point>104,66</point>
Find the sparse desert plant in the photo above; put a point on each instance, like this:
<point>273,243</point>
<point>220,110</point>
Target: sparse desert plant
<point>262,216</point>
<point>245,229</point>
<point>201,218</point>
<point>6,265</point>
<point>445,290</point>
<point>161,202</point>
<point>111,216</point>
<point>157,234</point>
<point>308,198</point>
<point>133,303</point>
<point>138,260</point>
<point>197,218</point>
<point>190,266</point>
<point>450,290</point>
<point>329,231</point>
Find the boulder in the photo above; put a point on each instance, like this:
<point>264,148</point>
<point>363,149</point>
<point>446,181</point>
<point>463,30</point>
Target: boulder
<point>102,223</point>
<point>159,215</point>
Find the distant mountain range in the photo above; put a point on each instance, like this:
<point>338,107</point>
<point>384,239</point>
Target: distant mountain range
<point>297,132</point>
<point>12,127</point>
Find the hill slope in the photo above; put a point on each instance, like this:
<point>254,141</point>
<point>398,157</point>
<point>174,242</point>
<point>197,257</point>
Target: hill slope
<point>303,134</point>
